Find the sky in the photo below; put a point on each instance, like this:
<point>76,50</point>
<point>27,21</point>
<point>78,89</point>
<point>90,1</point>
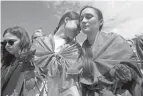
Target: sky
<point>29,15</point>
<point>122,17</point>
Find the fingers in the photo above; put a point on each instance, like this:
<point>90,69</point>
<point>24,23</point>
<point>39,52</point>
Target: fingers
<point>121,72</point>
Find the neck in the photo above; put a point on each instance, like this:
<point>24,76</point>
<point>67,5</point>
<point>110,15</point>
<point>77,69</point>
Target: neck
<point>17,55</point>
<point>91,37</point>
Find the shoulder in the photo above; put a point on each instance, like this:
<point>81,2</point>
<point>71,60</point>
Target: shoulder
<point>42,40</point>
<point>113,36</point>
<point>110,34</point>
<point>75,45</point>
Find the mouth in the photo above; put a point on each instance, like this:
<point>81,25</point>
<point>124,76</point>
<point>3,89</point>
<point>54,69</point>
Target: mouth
<point>8,49</point>
<point>85,26</point>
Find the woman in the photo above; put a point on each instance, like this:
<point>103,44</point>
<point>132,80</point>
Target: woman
<point>103,53</point>
<point>57,53</point>
<point>14,60</point>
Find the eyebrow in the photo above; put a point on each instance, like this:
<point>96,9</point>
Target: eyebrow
<point>87,14</point>
<point>10,39</point>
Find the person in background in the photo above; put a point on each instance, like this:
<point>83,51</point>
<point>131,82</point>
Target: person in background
<point>139,49</point>
<point>38,33</point>
<point>136,45</point>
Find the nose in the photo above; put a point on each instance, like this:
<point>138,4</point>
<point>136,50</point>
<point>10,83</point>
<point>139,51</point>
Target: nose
<point>7,45</point>
<point>84,20</point>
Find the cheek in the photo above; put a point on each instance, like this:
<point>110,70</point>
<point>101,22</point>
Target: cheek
<point>93,22</point>
<point>17,46</point>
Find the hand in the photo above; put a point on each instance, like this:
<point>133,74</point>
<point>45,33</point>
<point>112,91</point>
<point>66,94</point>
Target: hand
<point>121,72</point>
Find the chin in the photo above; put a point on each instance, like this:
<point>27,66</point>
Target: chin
<point>85,31</point>
<point>11,52</point>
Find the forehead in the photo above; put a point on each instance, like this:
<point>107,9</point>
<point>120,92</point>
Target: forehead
<point>89,11</point>
<point>10,36</point>
<point>38,33</point>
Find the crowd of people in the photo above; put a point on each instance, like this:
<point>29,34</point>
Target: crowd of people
<point>57,65</point>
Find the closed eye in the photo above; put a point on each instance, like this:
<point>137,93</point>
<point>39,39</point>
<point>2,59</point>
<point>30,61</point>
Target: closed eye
<point>88,16</point>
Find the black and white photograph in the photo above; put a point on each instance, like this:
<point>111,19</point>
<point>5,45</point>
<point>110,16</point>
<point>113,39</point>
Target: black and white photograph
<point>71,48</point>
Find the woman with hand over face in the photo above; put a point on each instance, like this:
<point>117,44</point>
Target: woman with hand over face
<point>57,53</point>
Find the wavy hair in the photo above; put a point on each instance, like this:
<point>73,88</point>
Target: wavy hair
<point>24,43</point>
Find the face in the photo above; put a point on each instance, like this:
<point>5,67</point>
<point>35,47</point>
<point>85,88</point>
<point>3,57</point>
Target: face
<point>37,34</point>
<point>131,45</point>
<point>72,28</point>
<point>89,21</point>
<point>12,43</point>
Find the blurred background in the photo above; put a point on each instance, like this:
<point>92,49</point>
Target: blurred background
<point>122,17</point>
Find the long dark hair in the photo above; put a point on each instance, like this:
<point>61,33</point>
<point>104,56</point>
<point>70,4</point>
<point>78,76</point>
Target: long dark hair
<point>24,43</point>
<point>99,13</point>
<point>72,16</point>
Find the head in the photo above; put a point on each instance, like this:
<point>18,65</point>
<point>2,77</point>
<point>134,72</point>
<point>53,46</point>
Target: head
<point>91,19</point>
<point>37,33</point>
<point>131,43</point>
<point>16,40</point>
<point>70,21</point>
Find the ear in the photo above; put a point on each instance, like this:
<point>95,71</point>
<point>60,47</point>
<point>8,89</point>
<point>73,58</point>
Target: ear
<point>67,19</point>
<point>101,22</point>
